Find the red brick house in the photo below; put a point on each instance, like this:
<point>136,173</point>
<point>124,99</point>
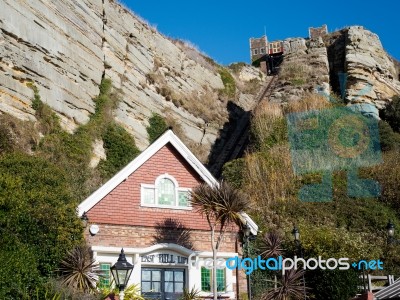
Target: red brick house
<point>146,210</point>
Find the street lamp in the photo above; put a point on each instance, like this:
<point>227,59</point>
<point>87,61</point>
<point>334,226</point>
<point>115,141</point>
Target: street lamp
<point>247,235</point>
<point>390,233</point>
<point>296,235</point>
<point>121,272</point>
<point>84,219</point>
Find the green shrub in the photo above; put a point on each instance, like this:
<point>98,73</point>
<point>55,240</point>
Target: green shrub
<point>237,67</point>
<point>72,153</point>
<point>229,83</point>
<point>268,131</point>
<point>157,126</point>
<point>6,140</point>
<point>392,114</point>
<point>19,274</point>
<point>389,139</point>
<point>120,149</point>
<point>333,284</point>
<point>232,172</point>
<point>48,120</point>
<point>36,102</point>
<point>37,216</point>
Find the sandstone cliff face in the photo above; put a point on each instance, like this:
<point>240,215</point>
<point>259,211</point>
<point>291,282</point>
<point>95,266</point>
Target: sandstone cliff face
<point>67,47</point>
<point>371,73</point>
<point>305,68</point>
<point>351,61</point>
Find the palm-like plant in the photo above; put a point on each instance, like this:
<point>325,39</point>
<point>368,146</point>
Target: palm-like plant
<point>132,292</point>
<point>79,270</point>
<point>221,204</point>
<point>192,294</point>
<point>271,245</point>
<point>292,287</point>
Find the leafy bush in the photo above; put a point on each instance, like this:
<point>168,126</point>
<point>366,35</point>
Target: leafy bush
<point>237,67</point>
<point>392,114</point>
<point>36,102</point>
<point>232,172</point>
<point>17,135</point>
<point>229,83</point>
<point>297,74</point>
<point>19,274</point>
<point>120,149</point>
<point>6,140</point>
<point>156,127</point>
<point>37,220</point>
<point>389,139</point>
<point>333,284</point>
<point>48,120</point>
<point>388,176</point>
<point>70,152</point>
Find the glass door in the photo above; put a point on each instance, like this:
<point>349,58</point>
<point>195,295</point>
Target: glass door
<point>162,284</point>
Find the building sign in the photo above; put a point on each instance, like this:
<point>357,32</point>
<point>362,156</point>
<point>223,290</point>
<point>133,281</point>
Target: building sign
<point>164,258</point>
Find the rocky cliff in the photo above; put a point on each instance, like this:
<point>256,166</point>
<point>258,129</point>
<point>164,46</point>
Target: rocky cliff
<point>66,47</point>
<point>350,63</point>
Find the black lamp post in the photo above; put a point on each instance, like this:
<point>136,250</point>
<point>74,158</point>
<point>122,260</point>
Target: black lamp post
<point>246,235</point>
<point>121,272</point>
<point>84,219</point>
<point>390,233</point>
<point>296,235</point>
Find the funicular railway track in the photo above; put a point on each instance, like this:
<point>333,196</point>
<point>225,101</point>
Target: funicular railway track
<point>238,141</point>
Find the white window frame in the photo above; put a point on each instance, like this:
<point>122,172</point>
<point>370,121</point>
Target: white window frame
<point>262,50</point>
<point>178,189</point>
<point>255,52</point>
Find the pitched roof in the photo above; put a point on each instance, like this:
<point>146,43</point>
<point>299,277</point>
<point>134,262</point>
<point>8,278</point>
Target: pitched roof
<point>167,137</point>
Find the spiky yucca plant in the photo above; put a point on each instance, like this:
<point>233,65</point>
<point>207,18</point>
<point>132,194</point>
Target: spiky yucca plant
<point>132,292</point>
<point>79,271</point>
<point>221,204</point>
<point>291,287</point>
<point>271,245</point>
<point>192,294</point>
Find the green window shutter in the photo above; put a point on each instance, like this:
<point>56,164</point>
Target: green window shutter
<point>105,278</point>
<point>220,280</point>
<point>205,279</point>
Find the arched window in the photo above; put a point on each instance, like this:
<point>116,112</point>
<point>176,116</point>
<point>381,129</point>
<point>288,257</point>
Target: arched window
<point>165,193</point>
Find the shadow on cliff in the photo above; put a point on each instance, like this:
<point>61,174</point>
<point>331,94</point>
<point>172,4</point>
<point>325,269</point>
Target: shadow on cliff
<point>173,231</point>
<point>225,145</point>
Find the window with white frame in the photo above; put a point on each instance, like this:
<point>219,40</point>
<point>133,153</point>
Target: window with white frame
<point>165,192</point>
<point>255,51</point>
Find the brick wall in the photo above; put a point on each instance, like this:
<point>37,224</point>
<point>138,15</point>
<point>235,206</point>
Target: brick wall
<point>141,237</point>
<point>258,44</point>
<point>124,222</point>
<point>122,205</point>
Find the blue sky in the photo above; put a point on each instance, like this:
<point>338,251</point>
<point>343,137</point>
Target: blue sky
<point>222,28</point>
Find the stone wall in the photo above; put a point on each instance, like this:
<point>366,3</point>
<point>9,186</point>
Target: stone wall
<point>318,32</point>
